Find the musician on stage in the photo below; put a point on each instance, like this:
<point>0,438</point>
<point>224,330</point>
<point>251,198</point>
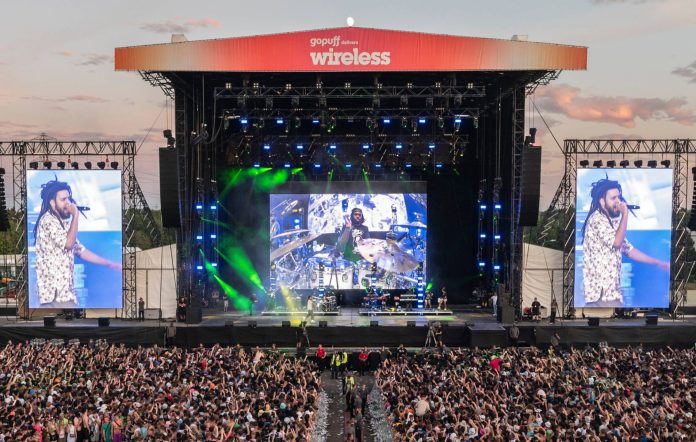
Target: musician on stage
<point>428,299</point>
<point>353,232</point>
<point>442,302</point>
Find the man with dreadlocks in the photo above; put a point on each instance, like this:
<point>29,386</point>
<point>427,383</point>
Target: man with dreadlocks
<point>604,242</point>
<point>55,238</point>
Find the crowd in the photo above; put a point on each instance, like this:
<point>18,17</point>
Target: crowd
<point>113,393</point>
<point>592,394</point>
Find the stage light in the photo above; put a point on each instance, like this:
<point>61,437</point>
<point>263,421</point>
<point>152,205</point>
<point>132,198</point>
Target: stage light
<point>47,164</point>
<point>624,163</point>
<point>652,164</point>
<point>611,163</point>
<point>315,121</point>
<point>61,165</point>
<point>376,101</point>
<point>213,207</point>
<point>497,207</point>
<point>317,165</point>
<point>483,207</point>
<point>280,121</point>
<point>213,236</point>
<point>199,237</point>
<point>399,146</point>
<point>287,165</point>
<point>421,120</point>
<point>348,166</point>
<point>298,122</point>
<point>458,100</point>
<point>584,163</point>
<point>496,237</point>
<point>199,206</point>
<point>378,165</point>
<point>332,147</point>
<point>370,124</point>
<point>638,163</point>
<point>431,146</point>
<point>366,147</point>
<point>214,264</point>
<point>665,163</point>
<point>403,100</point>
<point>114,165</point>
<point>597,163</point>
<point>243,120</point>
<point>408,165</point>
<point>404,122</point>
<point>257,165</point>
<point>34,165</point>
<point>482,236</point>
<point>295,101</point>
<point>266,147</point>
<point>101,165</point>
<point>199,267</point>
<point>496,267</point>
<point>438,166</point>
<point>429,102</point>
<point>75,165</point>
<point>299,147</point>
<point>458,120</point>
<point>440,122</point>
<point>269,103</point>
<point>386,121</point>
<point>481,264</point>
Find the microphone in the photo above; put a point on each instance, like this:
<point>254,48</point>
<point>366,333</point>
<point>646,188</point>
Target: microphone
<point>83,208</point>
<point>629,206</point>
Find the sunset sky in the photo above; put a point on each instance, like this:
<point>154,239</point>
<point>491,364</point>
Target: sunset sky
<point>57,70</point>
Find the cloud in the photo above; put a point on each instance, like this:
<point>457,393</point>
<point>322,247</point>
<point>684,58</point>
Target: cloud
<point>95,59</point>
<point>688,72</point>
<point>623,111</point>
<point>79,98</point>
<point>180,27</point>
<point>12,124</point>
<point>66,53</point>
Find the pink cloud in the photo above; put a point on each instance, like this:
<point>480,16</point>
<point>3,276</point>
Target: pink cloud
<point>81,98</point>
<point>179,26</point>
<point>623,111</point>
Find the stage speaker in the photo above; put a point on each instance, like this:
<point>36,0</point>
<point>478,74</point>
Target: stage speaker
<point>49,321</point>
<point>650,319</point>
<point>531,179</point>
<point>152,313</point>
<point>194,314</point>
<point>323,324</point>
<point>374,324</point>
<point>4,218</point>
<point>169,187</point>
<point>692,218</point>
<point>104,321</point>
<point>229,323</point>
<point>252,324</point>
<point>593,321</point>
<point>286,323</point>
<point>410,323</point>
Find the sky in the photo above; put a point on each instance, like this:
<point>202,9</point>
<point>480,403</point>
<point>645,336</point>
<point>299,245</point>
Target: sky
<point>57,70</point>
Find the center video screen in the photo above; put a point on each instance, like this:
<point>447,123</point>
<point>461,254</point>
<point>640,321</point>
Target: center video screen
<point>348,240</point>
<point>623,238</point>
<point>74,238</point>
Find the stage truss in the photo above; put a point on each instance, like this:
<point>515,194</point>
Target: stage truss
<point>135,210</point>
<point>562,207</point>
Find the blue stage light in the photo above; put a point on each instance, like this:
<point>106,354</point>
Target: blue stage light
<point>279,121</point>
<point>496,267</point>
<point>377,165</point>
<point>213,236</point>
<point>421,120</point>
<point>266,147</point>
<point>257,165</point>
<point>496,237</point>
<point>332,146</point>
<point>483,207</point>
<point>458,120</point>
<point>299,147</point>
<point>199,237</point>
<point>497,206</point>
<point>315,120</point>
<point>213,207</point>
<point>483,235</point>
<point>243,121</point>
<point>199,206</point>
<point>431,146</point>
<point>214,264</point>
<point>482,264</point>
<point>439,165</point>
<point>408,165</point>
<point>199,267</point>
<point>317,165</point>
<point>348,166</point>
<point>287,165</point>
<point>366,147</point>
<point>386,121</point>
<point>399,146</point>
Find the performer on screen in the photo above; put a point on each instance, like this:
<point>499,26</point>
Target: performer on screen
<point>604,242</point>
<point>55,238</point>
<point>353,232</point>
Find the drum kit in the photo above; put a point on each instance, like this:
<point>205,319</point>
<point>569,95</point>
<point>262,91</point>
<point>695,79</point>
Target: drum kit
<point>305,260</point>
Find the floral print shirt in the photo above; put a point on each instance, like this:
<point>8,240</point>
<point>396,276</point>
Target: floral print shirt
<point>601,261</point>
<point>55,266</point>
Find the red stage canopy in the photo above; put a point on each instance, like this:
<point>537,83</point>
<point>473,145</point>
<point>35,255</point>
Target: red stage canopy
<point>351,49</point>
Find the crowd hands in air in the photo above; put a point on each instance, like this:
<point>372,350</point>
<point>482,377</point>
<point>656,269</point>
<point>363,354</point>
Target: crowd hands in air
<point>112,392</point>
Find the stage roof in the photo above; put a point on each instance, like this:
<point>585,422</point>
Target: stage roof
<point>351,49</point>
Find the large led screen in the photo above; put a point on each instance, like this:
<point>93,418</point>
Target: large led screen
<point>348,240</point>
<point>74,238</point>
<point>623,237</point>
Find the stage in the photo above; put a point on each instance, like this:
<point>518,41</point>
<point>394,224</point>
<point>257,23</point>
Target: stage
<point>465,327</point>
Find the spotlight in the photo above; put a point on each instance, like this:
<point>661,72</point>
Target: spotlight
<point>88,164</point>
<point>652,164</point>
<point>611,163</point>
<point>665,163</point>
<point>101,165</point>
<point>638,163</point>
<point>584,163</point>
<point>266,147</point>
<point>75,165</point>
<point>429,102</point>
<point>624,163</point>
<point>399,146</point>
<point>34,165</point>
<point>299,147</point>
<point>597,163</point>
<point>61,165</point>
<point>404,123</point>
<point>114,165</point>
<point>421,121</point>
<point>47,164</point>
<point>386,121</point>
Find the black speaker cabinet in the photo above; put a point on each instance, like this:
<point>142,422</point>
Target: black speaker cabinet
<point>323,324</point>
<point>651,319</point>
<point>410,323</point>
<point>49,321</point>
<point>593,321</point>
<point>104,321</point>
<point>194,314</point>
<point>374,324</point>
<point>286,323</point>
<point>169,187</point>
<point>531,179</point>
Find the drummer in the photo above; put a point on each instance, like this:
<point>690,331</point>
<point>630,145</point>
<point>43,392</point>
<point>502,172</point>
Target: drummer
<point>353,232</point>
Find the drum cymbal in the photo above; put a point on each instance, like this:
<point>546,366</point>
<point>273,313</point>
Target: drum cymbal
<point>292,245</point>
<point>289,233</point>
<point>413,225</point>
<point>387,255</point>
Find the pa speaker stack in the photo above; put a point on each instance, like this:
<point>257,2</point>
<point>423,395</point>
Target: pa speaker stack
<point>531,180</point>
<point>593,321</point>
<point>169,187</point>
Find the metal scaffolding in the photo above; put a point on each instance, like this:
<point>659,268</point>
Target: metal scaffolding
<point>135,210</point>
<point>562,208</point>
